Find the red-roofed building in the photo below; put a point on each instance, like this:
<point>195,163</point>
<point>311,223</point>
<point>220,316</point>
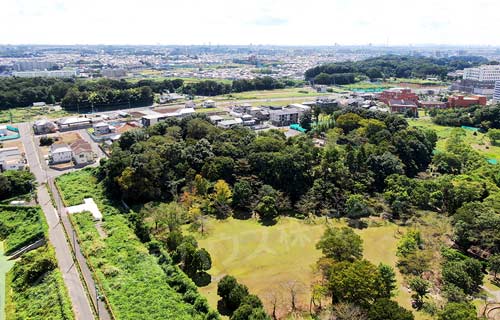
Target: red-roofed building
<point>463,102</point>
<point>432,104</point>
<point>398,94</point>
<point>82,152</point>
<point>402,106</point>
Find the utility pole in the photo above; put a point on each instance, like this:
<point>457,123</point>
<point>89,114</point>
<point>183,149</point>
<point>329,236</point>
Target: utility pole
<point>97,300</point>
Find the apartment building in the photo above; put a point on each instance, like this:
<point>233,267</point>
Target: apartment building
<point>485,73</point>
<point>45,74</point>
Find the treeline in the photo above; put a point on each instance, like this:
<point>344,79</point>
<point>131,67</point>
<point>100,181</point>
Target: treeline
<point>484,117</point>
<point>16,183</point>
<point>227,170</point>
<point>214,88</point>
<point>390,66</point>
<point>75,93</point>
<point>75,99</point>
<point>23,92</point>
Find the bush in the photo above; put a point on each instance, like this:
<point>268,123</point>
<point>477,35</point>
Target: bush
<point>20,226</point>
<point>36,288</point>
<point>46,141</point>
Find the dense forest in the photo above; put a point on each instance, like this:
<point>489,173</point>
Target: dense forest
<point>389,66</point>
<point>80,94</point>
<point>373,163</point>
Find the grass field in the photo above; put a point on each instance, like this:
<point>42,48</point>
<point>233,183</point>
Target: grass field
<point>266,258</point>
<point>273,94</point>
<point>480,142</point>
<point>29,114</point>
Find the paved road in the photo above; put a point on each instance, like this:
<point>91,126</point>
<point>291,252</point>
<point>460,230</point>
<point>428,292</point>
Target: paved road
<point>85,270</point>
<point>57,237</point>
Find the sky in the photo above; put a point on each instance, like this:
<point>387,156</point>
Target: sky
<point>272,22</point>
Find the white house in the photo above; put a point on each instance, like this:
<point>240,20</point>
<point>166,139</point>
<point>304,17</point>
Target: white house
<point>103,128</point>
<point>60,153</point>
<point>209,104</point>
<point>44,126</point>
<point>226,124</point>
<point>74,123</point>
<point>82,152</point>
<point>11,159</point>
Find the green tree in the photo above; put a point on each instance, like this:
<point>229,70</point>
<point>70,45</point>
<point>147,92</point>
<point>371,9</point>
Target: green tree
<point>242,194</point>
<point>354,282</point>
<point>494,264</point>
<point>385,309</point>
<point>266,208</point>
<point>225,286</point>
<point>222,199</point>
<point>236,296</point>
<point>348,122</point>
<point>341,244</point>
<point>387,281</point>
<point>467,274</point>
<point>306,120</point>
<point>357,207</point>
<point>458,311</point>
<point>420,287</point>
<point>173,215</point>
<point>447,162</point>
<point>201,261</point>
<point>494,135</point>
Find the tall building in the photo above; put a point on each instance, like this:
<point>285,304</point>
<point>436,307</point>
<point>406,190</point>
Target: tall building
<point>496,93</point>
<point>46,74</point>
<point>29,65</point>
<point>485,73</point>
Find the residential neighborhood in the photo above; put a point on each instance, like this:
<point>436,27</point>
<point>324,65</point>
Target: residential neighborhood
<point>259,160</point>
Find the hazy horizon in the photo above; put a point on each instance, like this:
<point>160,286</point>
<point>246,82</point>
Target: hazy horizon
<point>223,22</point>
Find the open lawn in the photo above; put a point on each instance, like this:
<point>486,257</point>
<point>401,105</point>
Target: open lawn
<point>29,114</point>
<point>272,94</point>
<point>480,142</point>
<point>267,258</point>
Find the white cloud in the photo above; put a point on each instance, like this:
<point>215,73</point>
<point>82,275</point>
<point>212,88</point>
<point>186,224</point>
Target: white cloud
<point>313,22</point>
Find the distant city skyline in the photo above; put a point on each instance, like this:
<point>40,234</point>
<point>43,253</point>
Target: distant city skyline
<point>225,22</point>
